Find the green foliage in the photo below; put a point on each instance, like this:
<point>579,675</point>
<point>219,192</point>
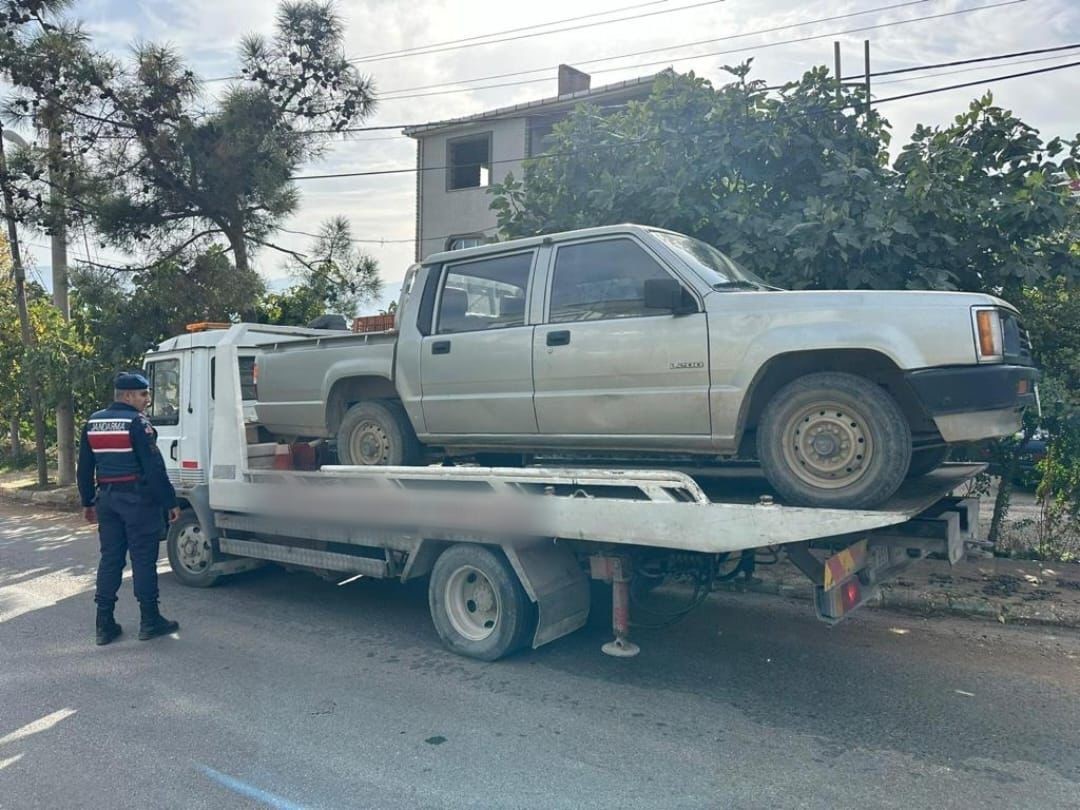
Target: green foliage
<point>194,175</point>
<point>334,277</point>
<point>125,316</point>
<point>60,356</point>
<point>1053,318</point>
<point>796,185</point>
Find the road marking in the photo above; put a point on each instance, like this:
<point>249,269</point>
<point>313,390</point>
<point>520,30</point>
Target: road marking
<point>252,792</point>
<point>42,724</point>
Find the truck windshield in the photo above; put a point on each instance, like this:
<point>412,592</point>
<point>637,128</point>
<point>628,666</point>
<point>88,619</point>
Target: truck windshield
<point>713,266</point>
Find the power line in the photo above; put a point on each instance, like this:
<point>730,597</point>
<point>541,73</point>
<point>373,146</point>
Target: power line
<point>414,169</point>
<point>970,69</point>
<point>633,17</point>
<point>472,42</point>
<point>356,241</point>
<point>755,48</point>
<point>404,51</point>
<point>974,60</point>
<point>874,74</point>
<point>763,31</point>
<point>1035,72</point>
<point>578,63</point>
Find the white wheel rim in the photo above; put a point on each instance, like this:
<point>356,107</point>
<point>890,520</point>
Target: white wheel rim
<point>369,444</point>
<point>472,603</point>
<point>193,550</point>
<point>828,445</point>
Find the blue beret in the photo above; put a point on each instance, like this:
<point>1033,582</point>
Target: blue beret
<point>126,381</point>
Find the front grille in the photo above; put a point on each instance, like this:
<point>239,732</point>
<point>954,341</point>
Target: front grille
<point>185,478</point>
<point>1017,340</point>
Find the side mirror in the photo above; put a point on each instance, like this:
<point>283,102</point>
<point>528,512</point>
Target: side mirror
<point>669,295</point>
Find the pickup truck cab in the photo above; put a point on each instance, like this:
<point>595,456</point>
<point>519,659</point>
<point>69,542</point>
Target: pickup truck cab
<point>629,340</point>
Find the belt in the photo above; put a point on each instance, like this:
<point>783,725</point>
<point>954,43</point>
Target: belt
<point>119,479</point>
<point>120,484</point>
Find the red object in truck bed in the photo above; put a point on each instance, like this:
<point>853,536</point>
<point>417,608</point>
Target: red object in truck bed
<point>373,323</point>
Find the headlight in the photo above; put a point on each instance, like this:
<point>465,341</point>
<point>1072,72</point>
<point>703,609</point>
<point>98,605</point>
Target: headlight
<point>988,335</point>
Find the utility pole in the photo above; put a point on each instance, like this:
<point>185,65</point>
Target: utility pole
<point>65,408</point>
<point>26,330</point>
<point>836,68</point>
<point>866,75</point>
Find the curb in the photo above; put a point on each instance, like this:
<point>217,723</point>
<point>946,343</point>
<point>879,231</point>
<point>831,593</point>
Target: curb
<point>924,603</point>
<point>63,499</point>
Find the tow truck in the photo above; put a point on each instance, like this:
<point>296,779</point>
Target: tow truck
<point>509,552</point>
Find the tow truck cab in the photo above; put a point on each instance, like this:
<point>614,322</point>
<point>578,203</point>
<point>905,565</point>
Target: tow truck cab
<point>181,372</point>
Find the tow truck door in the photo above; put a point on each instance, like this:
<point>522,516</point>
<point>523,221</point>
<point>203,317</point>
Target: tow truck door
<point>166,373</point>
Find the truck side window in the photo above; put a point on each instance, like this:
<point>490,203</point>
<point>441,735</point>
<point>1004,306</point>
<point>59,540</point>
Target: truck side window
<point>485,294</point>
<point>164,392</point>
<point>599,280</point>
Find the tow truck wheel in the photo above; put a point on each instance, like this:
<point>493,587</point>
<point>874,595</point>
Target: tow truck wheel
<point>477,603</point>
<point>834,440</point>
<point>191,552</point>
<point>376,434</point>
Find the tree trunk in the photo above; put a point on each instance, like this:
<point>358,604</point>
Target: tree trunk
<point>1004,496</point>
<point>16,440</point>
<point>65,411</point>
<point>238,243</point>
<point>25,329</point>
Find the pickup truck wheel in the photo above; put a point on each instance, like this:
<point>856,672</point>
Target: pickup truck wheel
<point>478,605</point>
<point>834,440</point>
<point>376,434</point>
<point>191,552</point>
<point>926,461</point>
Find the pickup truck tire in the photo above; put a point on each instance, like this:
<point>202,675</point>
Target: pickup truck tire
<point>478,606</point>
<point>191,553</point>
<point>834,440</point>
<point>926,461</point>
<point>376,434</point>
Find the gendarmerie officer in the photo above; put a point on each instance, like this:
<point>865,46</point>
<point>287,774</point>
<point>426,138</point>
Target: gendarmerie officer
<point>128,502</point>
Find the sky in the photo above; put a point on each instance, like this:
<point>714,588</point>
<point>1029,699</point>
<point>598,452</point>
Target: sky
<point>206,34</point>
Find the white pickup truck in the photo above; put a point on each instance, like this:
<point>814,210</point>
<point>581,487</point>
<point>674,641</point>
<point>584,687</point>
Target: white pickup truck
<point>626,343</point>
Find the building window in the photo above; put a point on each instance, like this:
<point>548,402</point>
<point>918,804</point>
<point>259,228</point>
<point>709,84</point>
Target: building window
<point>468,162</point>
<point>462,242</point>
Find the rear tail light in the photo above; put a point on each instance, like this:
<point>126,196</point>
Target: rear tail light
<point>850,594</point>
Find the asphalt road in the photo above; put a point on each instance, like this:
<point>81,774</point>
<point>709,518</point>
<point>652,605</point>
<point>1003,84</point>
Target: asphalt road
<point>284,690</point>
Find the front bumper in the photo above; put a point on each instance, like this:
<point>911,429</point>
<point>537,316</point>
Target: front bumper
<point>970,403</point>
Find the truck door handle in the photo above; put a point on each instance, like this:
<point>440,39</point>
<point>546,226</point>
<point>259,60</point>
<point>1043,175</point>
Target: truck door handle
<point>559,338</point>
<point>440,347</point>
<point>173,448</point>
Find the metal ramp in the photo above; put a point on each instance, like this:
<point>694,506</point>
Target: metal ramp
<point>659,508</point>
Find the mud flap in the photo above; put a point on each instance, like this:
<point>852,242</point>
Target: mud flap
<point>553,579</point>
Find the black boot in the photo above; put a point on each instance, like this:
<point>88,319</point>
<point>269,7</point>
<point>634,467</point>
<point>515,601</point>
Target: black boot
<point>153,624</point>
<point>107,628</point>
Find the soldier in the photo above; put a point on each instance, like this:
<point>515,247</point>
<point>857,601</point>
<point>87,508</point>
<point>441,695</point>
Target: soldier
<point>131,498</point>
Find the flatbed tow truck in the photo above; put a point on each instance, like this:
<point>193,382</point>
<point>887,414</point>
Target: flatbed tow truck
<point>509,552</point>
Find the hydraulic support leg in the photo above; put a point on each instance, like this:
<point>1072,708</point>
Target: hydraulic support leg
<point>616,570</point>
